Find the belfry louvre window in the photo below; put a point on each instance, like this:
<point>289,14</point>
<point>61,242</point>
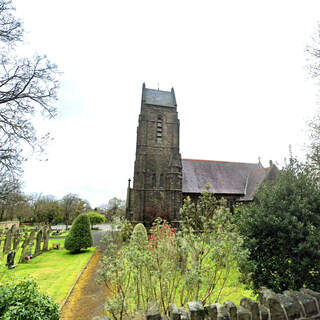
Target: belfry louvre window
<point>161,180</point>
<point>159,130</point>
<point>153,181</point>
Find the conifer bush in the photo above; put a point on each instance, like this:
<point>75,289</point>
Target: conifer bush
<point>79,236</point>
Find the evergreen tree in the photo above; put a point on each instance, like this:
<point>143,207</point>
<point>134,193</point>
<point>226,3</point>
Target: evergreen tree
<point>281,232</point>
<point>79,236</point>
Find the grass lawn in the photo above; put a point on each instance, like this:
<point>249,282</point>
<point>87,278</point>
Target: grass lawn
<point>234,290</point>
<point>55,270</point>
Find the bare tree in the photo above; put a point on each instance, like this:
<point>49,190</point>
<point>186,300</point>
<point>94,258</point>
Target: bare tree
<point>313,148</point>
<point>116,208</point>
<point>72,206</point>
<point>46,208</point>
<point>28,86</point>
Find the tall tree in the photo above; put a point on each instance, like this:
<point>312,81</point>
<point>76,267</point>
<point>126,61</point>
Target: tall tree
<point>281,232</point>
<point>313,51</point>
<point>10,191</point>
<point>313,148</point>
<point>116,207</point>
<point>46,209</point>
<point>72,206</point>
<point>28,86</point>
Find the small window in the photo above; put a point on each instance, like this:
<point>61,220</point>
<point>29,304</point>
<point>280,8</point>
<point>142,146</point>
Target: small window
<point>159,130</point>
<point>153,181</point>
<point>161,180</point>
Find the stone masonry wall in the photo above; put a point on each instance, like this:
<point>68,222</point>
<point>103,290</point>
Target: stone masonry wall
<point>290,305</point>
<point>9,224</point>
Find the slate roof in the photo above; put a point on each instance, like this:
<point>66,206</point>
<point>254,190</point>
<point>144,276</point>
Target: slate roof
<point>158,97</point>
<point>254,181</point>
<point>232,178</point>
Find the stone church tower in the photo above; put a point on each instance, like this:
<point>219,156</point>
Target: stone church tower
<point>157,186</point>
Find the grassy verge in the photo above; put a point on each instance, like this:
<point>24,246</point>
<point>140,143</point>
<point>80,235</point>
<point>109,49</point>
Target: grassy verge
<point>55,271</point>
<point>234,290</point>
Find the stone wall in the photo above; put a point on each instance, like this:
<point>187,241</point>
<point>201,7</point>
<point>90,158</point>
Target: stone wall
<point>9,224</point>
<point>290,305</point>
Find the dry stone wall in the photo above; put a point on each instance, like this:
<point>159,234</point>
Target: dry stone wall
<point>290,305</point>
<point>9,224</point>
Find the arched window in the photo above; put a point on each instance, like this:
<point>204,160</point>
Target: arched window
<point>161,180</point>
<point>159,130</point>
<point>153,181</point>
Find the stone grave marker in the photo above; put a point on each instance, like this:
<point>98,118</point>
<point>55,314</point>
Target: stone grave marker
<point>10,259</point>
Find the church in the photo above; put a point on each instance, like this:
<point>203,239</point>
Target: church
<point>162,179</point>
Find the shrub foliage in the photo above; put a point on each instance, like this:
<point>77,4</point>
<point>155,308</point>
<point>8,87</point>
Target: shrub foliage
<point>23,301</point>
<point>126,230</point>
<point>170,266</point>
<point>79,236</point>
<point>281,232</point>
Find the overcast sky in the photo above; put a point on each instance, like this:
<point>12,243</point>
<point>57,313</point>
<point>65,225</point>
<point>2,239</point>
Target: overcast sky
<point>238,69</point>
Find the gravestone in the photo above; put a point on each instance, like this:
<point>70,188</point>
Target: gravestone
<point>10,259</point>
<point>28,240</point>
<point>1,236</point>
<point>29,251</point>
<point>46,235</point>
<point>7,242</point>
<point>38,242</point>
<point>16,239</point>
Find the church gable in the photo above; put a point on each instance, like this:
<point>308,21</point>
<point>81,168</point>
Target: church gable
<point>255,180</point>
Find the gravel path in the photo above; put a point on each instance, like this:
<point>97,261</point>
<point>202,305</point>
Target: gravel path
<point>97,237</point>
<point>87,298</point>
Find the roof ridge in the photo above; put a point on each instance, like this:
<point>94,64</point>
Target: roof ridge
<point>158,90</point>
<point>218,161</point>
<point>260,170</point>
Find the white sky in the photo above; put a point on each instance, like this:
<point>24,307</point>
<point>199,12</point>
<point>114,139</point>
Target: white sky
<point>237,67</point>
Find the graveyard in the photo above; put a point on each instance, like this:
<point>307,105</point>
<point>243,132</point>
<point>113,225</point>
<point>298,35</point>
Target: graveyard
<point>39,253</point>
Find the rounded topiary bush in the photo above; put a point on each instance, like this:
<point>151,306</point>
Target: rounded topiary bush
<point>22,300</point>
<point>79,236</point>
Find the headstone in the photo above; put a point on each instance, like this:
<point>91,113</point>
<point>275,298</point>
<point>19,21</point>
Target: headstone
<point>10,259</point>
<point>16,239</point>
<point>27,241</point>
<point>46,234</point>
<point>7,242</point>
<point>38,243</point>
<point>1,236</point>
